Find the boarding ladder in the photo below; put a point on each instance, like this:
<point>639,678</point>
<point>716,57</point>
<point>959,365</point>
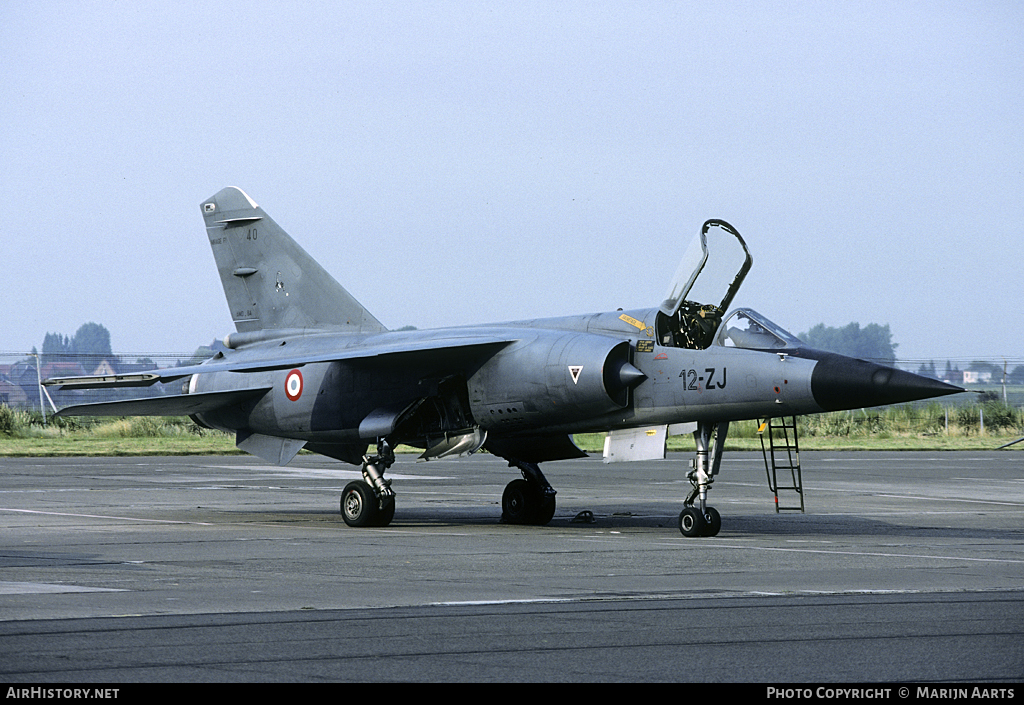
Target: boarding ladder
<point>782,456</point>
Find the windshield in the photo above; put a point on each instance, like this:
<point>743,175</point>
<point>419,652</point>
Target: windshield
<point>746,328</point>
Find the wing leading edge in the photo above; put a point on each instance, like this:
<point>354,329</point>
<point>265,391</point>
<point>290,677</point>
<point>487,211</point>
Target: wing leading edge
<point>481,344</point>
<point>171,405</point>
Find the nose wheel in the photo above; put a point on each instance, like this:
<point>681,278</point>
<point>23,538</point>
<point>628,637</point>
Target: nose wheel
<point>693,523</point>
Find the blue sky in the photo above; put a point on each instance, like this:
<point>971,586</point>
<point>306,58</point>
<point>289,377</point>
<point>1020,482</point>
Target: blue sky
<point>468,162</point>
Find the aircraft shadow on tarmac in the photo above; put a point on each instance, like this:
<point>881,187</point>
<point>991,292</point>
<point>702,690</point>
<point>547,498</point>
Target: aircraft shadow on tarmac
<point>739,525</point>
<point>45,558</point>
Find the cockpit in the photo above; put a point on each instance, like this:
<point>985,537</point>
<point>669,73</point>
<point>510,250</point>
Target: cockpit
<point>710,274</point>
<point>703,286</point>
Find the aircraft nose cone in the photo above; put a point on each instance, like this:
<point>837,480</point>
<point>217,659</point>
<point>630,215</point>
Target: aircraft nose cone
<point>840,382</point>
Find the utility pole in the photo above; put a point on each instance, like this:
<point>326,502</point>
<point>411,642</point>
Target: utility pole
<point>39,380</point>
<point>1004,382</point>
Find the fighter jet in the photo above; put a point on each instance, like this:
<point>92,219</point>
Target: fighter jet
<point>309,367</point>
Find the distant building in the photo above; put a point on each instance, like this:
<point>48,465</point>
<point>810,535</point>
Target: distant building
<point>61,369</point>
<point>105,367</point>
<point>976,377</point>
<point>11,394</point>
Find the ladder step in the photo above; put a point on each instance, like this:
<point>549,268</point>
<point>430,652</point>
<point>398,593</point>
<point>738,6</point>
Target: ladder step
<point>782,453</point>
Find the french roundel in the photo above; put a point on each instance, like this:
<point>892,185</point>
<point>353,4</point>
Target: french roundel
<point>293,385</point>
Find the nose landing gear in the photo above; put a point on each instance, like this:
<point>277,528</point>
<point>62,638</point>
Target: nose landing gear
<point>702,520</point>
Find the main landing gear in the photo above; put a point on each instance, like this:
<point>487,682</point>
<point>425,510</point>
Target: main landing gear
<point>371,501</point>
<point>530,500</point>
<point>700,519</point>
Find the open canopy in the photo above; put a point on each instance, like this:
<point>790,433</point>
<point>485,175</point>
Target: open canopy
<point>709,275</point>
<point>712,269</point>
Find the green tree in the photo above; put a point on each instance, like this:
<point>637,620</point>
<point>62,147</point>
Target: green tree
<point>1017,376</point>
<point>981,366</point>
<point>872,342</point>
<point>92,339</point>
<point>55,344</point>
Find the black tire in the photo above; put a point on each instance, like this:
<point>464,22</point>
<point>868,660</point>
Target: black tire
<point>546,510</point>
<point>714,522</point>
<point>359,505</point>
<point>691,522</point>
<point>385,515</point>
<point>520,503</point>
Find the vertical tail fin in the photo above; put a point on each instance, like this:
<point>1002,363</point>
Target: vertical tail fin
<point>270,282</point>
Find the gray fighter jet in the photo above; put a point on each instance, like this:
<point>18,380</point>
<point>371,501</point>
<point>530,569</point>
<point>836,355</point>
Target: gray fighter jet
<point>309,367</point>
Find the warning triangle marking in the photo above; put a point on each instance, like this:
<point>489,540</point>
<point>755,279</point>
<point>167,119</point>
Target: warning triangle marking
<point>575,370</point>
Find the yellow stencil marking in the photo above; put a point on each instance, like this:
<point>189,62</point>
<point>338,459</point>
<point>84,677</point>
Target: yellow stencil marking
<point>632,321</point>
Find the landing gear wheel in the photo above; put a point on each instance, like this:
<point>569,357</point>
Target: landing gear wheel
<point>714,522</point>
<point>525,503</point>
<point>519,503</point>
<point>691,522</point>
<point>530,500</point>
<point>359,505</point>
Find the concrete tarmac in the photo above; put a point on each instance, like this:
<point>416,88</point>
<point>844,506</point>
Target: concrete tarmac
<point>228,569</point>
